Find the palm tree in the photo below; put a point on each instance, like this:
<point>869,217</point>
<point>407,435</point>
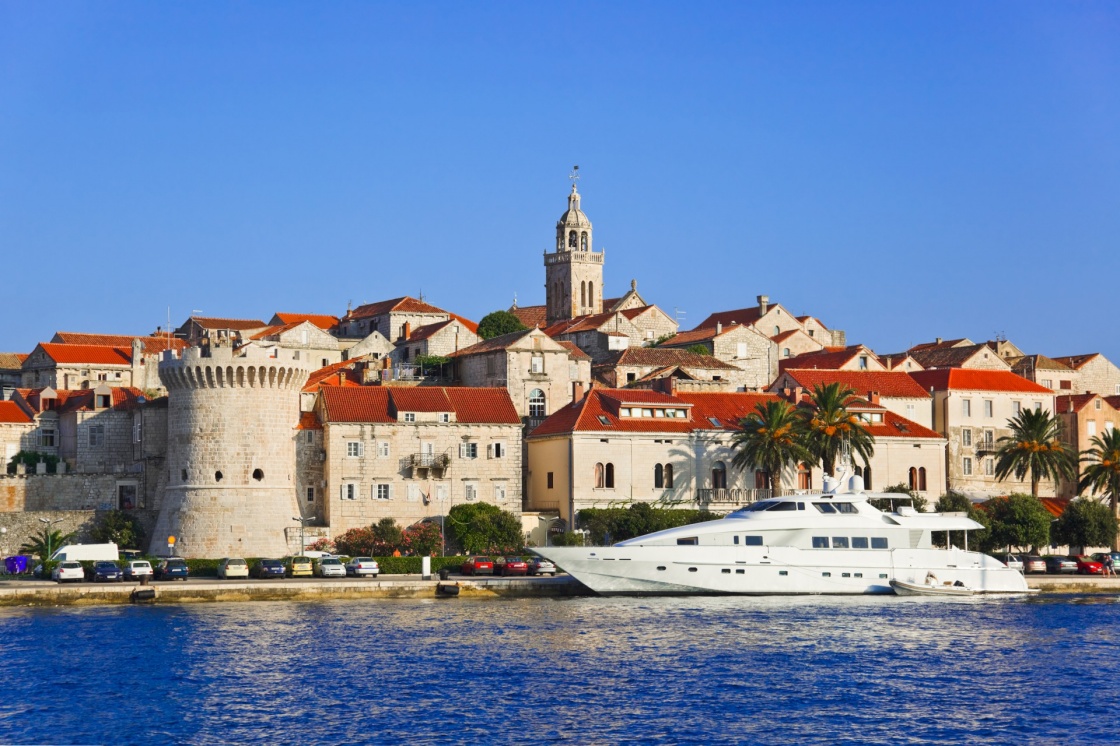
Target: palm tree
<point>829,426</point>
<point>1034,447</point>
<point>45,542</point>
<point>1103,471</point>
<point>770,439</point>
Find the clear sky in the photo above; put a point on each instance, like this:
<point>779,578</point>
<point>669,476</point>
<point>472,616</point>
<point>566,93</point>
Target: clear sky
<point>900,170</point>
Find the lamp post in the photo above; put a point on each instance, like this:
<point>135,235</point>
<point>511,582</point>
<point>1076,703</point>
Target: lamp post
<point>49,524</point>
<point>302,523</point>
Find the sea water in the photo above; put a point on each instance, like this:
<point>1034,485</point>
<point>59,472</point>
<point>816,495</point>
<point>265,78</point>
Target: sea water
<point>575,671</point>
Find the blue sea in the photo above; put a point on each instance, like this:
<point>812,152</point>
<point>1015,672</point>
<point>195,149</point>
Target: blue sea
<point>567,671</point>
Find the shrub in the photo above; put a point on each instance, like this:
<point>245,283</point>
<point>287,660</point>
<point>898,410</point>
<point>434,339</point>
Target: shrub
<point>118,527</point>
<point>1086,523</point>
<point>608,525</point>
<point>423,538</point>
<point>322,545</point>
<point>482,528</point>
<point>30,459</point>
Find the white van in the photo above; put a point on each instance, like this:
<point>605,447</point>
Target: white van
<point>86,552</point>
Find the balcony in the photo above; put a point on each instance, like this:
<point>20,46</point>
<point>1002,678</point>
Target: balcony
<point>711,496</point>
<point>424,465</point>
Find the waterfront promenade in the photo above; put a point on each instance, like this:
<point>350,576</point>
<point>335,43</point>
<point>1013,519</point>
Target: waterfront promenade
<point>25,592</point>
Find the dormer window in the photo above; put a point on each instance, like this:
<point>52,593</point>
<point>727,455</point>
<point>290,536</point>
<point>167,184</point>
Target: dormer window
<point>624,412</point>
<point>409,417</point>
<point>444,417</point>
<point>103,401</point>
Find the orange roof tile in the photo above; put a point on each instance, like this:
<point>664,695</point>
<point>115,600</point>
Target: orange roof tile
<point>68,354</point>
<point>886,383</point>
<point>531,316</point>
<point>744,316</point>
<point>360,404</point>
<point>328,376</point>
<point>309,421</point>
<point>12,413</point>
<point>1072,402</point>
<point>11,360</point>
<point>421,399</point>
<point>325,322</point>
<point>575,352</point>
<point>404,304</point>
<point>970,379</point>
<point>151,344</point>
<point>82,401</point>
<point>483,406</point>
<point>472,325</point>
<point>660,357</point>
<point>830,358</point>
<point>380,404</point>
<point>214,322</point>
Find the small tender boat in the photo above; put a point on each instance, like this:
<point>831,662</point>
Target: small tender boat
<point>930,588</point>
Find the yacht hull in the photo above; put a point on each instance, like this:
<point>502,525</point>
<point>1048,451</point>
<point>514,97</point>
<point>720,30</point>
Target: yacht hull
<point>693,570</point>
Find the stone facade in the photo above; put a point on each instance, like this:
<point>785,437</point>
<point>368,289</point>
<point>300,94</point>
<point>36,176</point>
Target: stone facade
<point>443,338</point>
<point>742,346</point>
<point>1084,416</point>
<point>390,317</point>
<point>796,342</point>
<point>1096,374</point>
<point>307,341</point>
<point>231,451</point>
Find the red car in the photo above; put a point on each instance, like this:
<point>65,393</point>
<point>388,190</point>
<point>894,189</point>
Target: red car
<point>1088,566</point>
<point>513,566</point>
<point>478,566</point>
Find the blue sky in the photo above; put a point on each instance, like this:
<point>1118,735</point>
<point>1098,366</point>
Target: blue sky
<point>901,171</point>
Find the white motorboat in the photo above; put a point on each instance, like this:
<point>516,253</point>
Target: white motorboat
<point>834,542</point>
<point>930,588</point>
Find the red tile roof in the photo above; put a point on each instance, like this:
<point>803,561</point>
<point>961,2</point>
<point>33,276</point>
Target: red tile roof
<point>1072,402</point>
<point>941,344</point>
<point>786,335</point>
<point>358,404</point>
<point>213,322</point>
<point>1036,362</point>
<point>591,322</point>
<point>830,358</point>
<point>745,316</point>
<point>491,406</point>
<point>151,344</point>
<point>897,426</point>
<point>575,352</point>
<point>394,305</point>
<point>1076,361</point>
<point>969,379</point>
<point>483,406</point>
<point>886,383</point>
<point>421,399</point>
<point>323,321</point>
<point>12,413</point>
<point>531,316</point>
<point>696,336</point>
<point>660,357</point>
<point>11,360</point>
<point>945,356</point>
<point>472,325</point>
<point>494,344</point>
<point>1114,401</point>
<point>82,401</point>
<point>328,376</point>
<point>68,354</point>
<point>309,421</point>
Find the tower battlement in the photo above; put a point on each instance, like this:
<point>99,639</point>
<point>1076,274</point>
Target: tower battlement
<point>222,367</point>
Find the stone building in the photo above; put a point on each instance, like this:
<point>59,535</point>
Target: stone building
<point>1084,417</point>
<point>538,372</point>
<point>305,339</point>
<point>773,320</point>
<point>442,338</point>
<point>17,431</point>
<point>957,353</point>
<point>1056,376</point>
<point>231,451</point>
<point>634,364</point>
<point>414,453</point>
<point>218,331</point>
<point>326,322</point>
<point>796,342</point>
<point>1096,374</point>
<point>574,272</point>
<point>742,346</point>
<point>896,391</point>
<point>852,357</point>
<point>11,373</point>
<point>971,409</point>
<point>391,318</point>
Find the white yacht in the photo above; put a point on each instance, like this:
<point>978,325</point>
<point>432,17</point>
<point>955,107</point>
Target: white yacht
<point>830,543</point>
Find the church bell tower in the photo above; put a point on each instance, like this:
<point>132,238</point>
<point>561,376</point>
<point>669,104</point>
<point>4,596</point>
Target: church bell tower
<point>574,272</point>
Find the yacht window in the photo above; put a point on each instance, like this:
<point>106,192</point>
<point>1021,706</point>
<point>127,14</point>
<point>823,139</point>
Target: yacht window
<point>882,575</point>
<point>692,540</point>
<point>783,506</point>
<point>826,575</point>
<point>859,542</point>
<point>661,567</point>
<point>839,542</point>
<point>845,575</point>
<point>740,572</point>
<point>752,541</point>
<point>692,569</point>
<point>878,542</point>
<point>820,542</point>
<point>800,506</point>
<point>764,505</point>
<point>845,508</point>
<point>824,507</point>
<point>735,540</point>
<point>726,570</point>
<point>783,572</point>
<point>859,574</point>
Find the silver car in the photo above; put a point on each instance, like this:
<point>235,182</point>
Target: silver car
<point>541,566</point>
<point>330,567</point>
<point>136,569</point>
<point>233,567</point>
<point>361,567</point>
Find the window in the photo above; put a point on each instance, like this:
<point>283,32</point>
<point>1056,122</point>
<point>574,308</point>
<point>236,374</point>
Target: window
<point>309,436</point>
<point>410,417</point>
<point>537,364</point>
<point>126,497</point>
<point>878,542</point>
<point>610,476</point>
<point>741,350</point>
<point>468,450</point>
<point>444,417</point>
<point>1016,407</point>
<point>989,408</point>
<point>600,476</point>
<point>909,411</point>
<point>1048,383</point>
<point>966,436</point>
<point>1065,384</point>
<point>138,428</point>
<point>820,542</point>
<point>96,435</point>
<point>785,352</point>
<point>536,403</point>
<point>922,479</point>
<point>863,362</point>
<point>804,477</point>
<point>752,541</point>
<point>383,450</point>
<point>413,492</point>
<point>354,448</point>
<point>310,494</point>
<point>381,491</point>
<point>719,476</point>
<point>497,450</point>
<point>349,491</point>
<point>46,437</point>
<point>690,541</point>
<point>658,477</point>
<point>989,467</point>
<point>604,420</point>
<point>967,467</point>
<point>668,476</point>
<point>989,438</point>
<point>1038,406</point>
<point>471,490</point>
<point>499,493</point>
<point>549,480</point>
<point>913,478</point>
<point>966,407</point>
<point>1097,405</point>
<point>859,542</point>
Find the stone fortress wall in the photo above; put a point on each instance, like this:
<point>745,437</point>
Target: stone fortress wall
<point>231,456</point>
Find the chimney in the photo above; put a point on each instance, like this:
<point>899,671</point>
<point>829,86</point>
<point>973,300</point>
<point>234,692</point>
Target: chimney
<point>577,391</point>
<point>342,377</point>
<point>873,397</point>
<point>797,391</point>
<point>719,328</point>
<point>939,340</point>
<point>763,304</point>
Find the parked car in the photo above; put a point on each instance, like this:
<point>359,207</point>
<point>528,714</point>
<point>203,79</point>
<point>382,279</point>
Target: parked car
<point>172,568</point>
<point>136,569</point>
<point>269,568</point>
<point>512,566</point>
<point>130,554</point>
<point>300,567</point>
<point>68,570</point>
<point>330,567</point>
<point>541,566</point>
<point>363,567</point>
<point>233,567</point>
<point>1088,566</point>
<point>1011,561</point>
<point>1033,563</point>
<point>107,572</point>
<point>1057,565</point>
<point>478,566</point>
<point>1099,557</point>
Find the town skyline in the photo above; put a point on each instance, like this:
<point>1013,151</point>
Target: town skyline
<point>899,174</point>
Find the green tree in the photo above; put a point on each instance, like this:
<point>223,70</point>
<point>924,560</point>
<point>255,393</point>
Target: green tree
<point>1034,448</point>
<point>479,528</point>
<point>884,503</point>
<point>829,426</point>
<point>608,525</point>
<point>497,323</point>
<point>120,528</point>
<point>1086,523</point>
<point>1102,474</point>
<point>662,339</point>
<point>770,438</point>
<point>431,363</point>
<point>698,349</point>
<point>30,459</point>
<point>387,537</point>
<point>1019,521</point>
<point>46,542</point>
<point>955,502</point>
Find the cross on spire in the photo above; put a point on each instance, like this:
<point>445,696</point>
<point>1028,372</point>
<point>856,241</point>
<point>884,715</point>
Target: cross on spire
<point>574,176</point>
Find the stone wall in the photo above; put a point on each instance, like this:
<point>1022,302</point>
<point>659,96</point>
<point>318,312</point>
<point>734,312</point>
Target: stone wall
<point>23,526</point>
<point>19,493</point>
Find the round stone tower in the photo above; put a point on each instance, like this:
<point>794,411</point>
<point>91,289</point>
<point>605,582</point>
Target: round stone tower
<point>231,453</point>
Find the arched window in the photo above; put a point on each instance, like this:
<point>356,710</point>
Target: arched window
<point>913,478</point>
<point>536,403</point>
<point>922,479</point>
<point>658,477</point>
<point>599,476</point>
<point>583,241</point>
<point>610,476</point>
<point>571,239</point>
<point>591,294</point>
<point>719,476</point>
<point>668,476</point>
<point>583,294</point>
<point>777,330</point>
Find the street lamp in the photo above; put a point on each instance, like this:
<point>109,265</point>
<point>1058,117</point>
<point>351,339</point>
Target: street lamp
<point>49,524</point>
<point>302,523</point>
